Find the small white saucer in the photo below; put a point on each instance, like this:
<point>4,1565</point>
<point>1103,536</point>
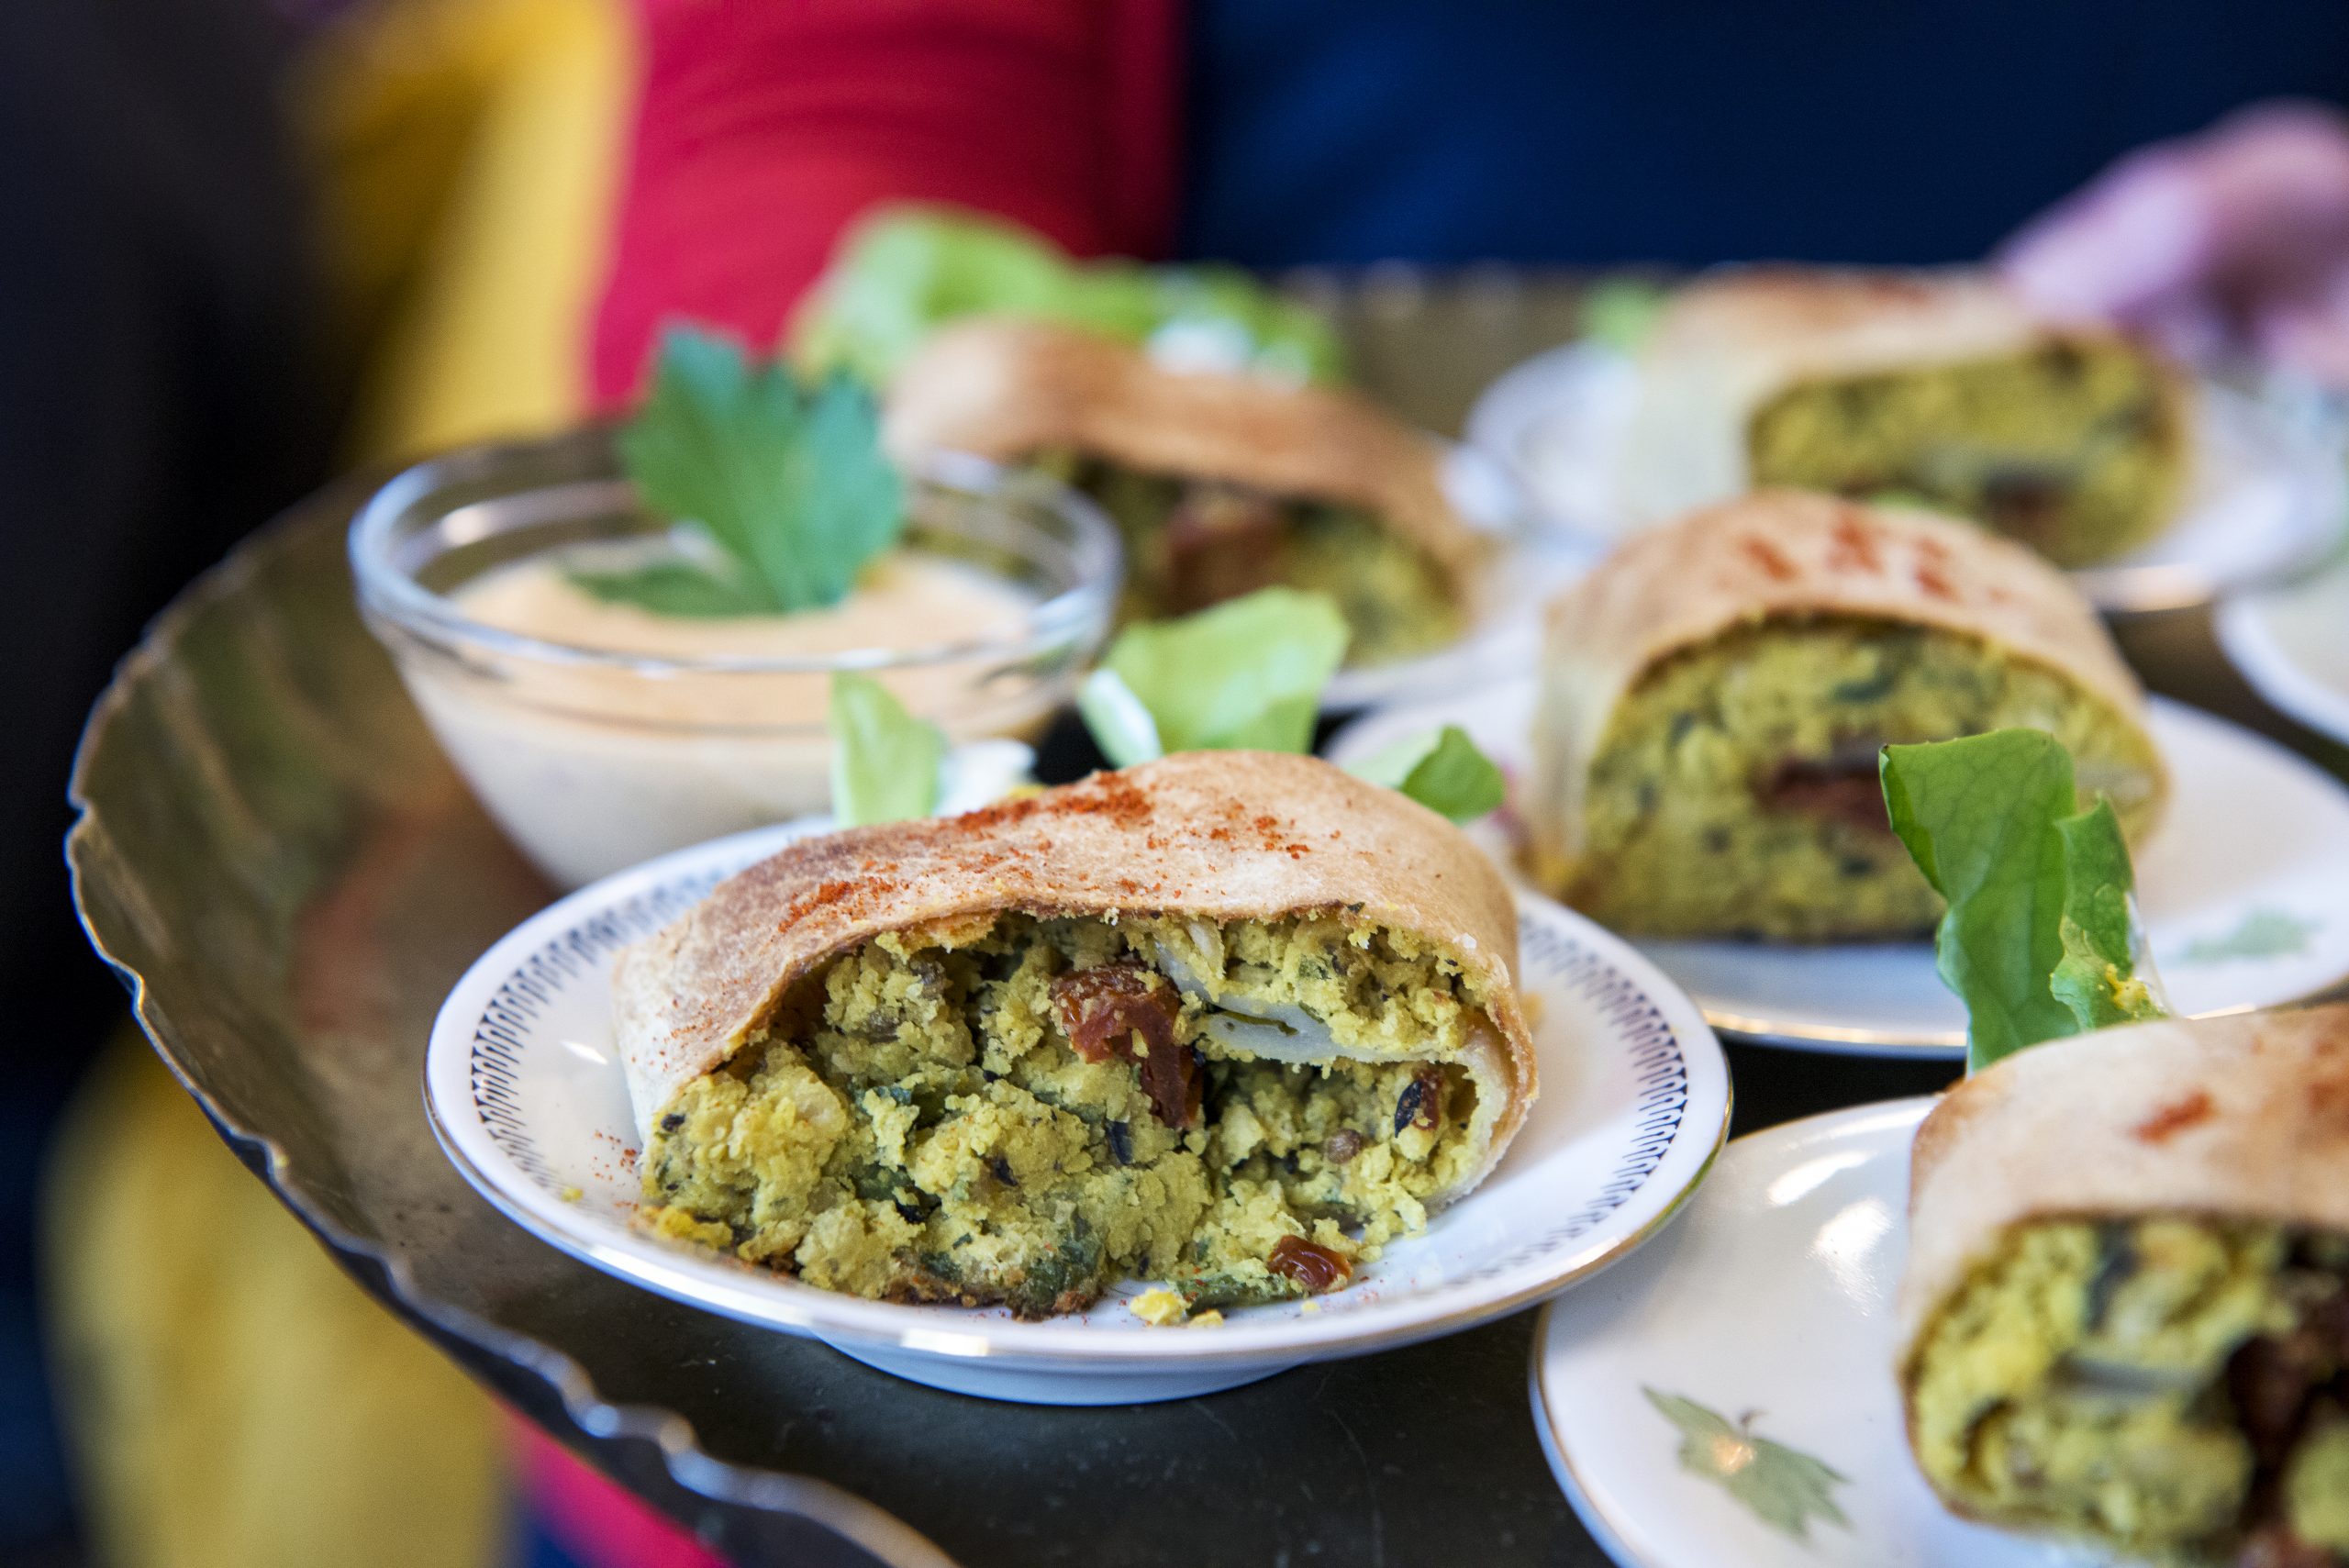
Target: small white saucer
<point>2292,645</point>
<point>2245,891</point>
<point>2268,496</point>
<point>526,1094</point>
<point>1754,1345</point>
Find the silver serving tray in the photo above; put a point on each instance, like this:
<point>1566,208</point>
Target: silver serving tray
<point>274,855</point>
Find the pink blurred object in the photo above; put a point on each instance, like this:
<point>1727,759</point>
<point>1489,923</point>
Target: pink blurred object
<point>2235,241</point>
<point>595,1520</point>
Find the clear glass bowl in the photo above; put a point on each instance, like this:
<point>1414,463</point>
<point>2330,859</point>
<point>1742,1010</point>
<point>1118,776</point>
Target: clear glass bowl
<point>594,759</point>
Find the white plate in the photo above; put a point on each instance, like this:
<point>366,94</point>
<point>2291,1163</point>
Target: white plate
<point>2292,645</point>
<point>527,1095</point>
<point>2268,496</point>
<point>2245,891</point>
<point>1768,1307</point>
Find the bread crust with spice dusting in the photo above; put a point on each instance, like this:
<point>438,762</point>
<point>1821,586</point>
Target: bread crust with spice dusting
<point>1008,389</point>
<point>2244,1117</point>
<point>1790,555</point>
<point>1223,836</point>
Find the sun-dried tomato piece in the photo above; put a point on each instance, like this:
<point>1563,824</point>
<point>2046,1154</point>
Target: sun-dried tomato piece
<point>1843,787</point>
<point>2271,1380</point>
<point>1221,541</point>
<point>2277,1547</point>
<point>1310,1265</point>
<point>1100,1007</point>
<point>1128,1010</point>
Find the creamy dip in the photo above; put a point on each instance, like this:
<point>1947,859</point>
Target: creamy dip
<point>593,768</point>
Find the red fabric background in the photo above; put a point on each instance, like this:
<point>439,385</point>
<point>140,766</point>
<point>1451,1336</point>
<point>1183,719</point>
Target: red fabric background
<point>763,126</point>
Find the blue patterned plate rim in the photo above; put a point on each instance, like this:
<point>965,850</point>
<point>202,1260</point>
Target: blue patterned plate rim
<point>524,1156</point>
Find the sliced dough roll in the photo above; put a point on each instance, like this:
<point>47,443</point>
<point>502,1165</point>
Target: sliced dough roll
<point>1938,385</point>
<point>1714,695</point>
<point>2126,1313</point>
<point>1219,483</point>
<point>1229,1020</point>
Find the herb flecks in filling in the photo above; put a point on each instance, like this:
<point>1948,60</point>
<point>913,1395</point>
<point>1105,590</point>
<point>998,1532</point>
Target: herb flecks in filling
<point>1192,544</point>
<point>2175,1386</point>
<point>1735,791</point>
<point>2071,449</point>
<point>1025,1111</point>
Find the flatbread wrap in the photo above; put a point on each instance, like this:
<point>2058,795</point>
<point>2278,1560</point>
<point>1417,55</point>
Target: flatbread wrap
<point>1230,1020</point>
<point>1714,695</point>
<point>2125,1311</point>
<point>1940,385</point>
<point>1219,482</point>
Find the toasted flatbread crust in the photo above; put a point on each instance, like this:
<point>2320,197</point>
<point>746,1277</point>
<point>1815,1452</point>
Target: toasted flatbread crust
<point>1733,339</point>
<point>2241,1117</point>
<point>1786,555</point>
<point>1220,835</point>
<point>1007,389</point>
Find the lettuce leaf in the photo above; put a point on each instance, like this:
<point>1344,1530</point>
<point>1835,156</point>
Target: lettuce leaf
<point>1620,313</point>
<point>2039,939</point>
<point>887,764</point>
<point>2097,978</point>
<point>1246,674</point>
<point>903,272</point>
<point>1118,721</point>
<point>789,482</point>
<point>1441,768</point>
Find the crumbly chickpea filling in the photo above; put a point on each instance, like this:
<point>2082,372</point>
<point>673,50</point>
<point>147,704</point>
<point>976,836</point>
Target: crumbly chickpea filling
<point>2173,1386</point>
<point>1026,1110</point>
<point>1735,792</point>
<point>2072,449</point>
<point>1191,543</point>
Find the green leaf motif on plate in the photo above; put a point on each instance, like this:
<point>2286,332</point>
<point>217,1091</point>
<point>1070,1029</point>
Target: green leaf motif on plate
<point>2263,933</point>
<point>1785,1487</point>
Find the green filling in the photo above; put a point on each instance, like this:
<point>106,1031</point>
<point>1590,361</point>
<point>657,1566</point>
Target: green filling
<point>2073,448</point>
<point>1735,792</point>
<point>1397,602</point>
<point>2080,1383</point>
<point>926,1130</point>
<point>2316,1487</point>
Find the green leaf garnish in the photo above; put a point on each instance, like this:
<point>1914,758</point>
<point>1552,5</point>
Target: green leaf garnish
<point>674,588</point>
<point>906,271</point>
<point>1786,1488</point>
<point>1246,674</point>
<point>2097,978</point>
<point>790,483</point>
<point>1120,724</point>
<point>2038,891</point>
<point>1441,769</point>
<point>886,761</point>
<point>1620,313</point>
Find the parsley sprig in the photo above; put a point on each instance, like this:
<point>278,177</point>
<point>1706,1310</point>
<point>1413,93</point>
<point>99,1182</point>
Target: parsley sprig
<point>787,479</point>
